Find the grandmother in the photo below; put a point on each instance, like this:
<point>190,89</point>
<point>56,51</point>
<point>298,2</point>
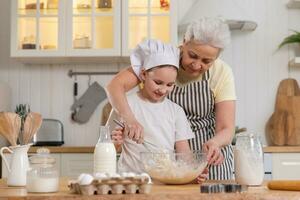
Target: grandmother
<point>204,89</point>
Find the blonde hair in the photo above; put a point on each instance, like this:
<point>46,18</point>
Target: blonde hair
<point>210,31</point>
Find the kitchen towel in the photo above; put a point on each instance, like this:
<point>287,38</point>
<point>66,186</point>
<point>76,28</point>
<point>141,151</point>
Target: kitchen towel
<point>85,106</point>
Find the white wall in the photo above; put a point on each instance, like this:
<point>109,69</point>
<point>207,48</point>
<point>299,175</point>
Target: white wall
<point>257,66</point>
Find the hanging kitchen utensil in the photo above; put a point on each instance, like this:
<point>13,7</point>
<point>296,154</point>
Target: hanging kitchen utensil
<point>75,93</point>
<point>85,106</point>
<point>75,88</point>
<point>89,80</point>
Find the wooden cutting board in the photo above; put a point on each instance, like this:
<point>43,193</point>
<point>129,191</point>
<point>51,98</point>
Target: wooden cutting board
<point>291,185</point>
<point>283,127</point>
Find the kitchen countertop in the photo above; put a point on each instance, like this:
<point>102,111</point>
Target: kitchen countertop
<point>282,149</point>
<point>158,192</point>
<point>65,149</point>
<point>90,149</point>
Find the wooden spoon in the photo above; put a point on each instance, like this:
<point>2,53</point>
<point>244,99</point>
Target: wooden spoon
<point>32,124</point>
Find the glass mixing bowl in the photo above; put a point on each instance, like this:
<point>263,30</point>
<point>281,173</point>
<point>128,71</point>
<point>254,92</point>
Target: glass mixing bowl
<point>174,168</point>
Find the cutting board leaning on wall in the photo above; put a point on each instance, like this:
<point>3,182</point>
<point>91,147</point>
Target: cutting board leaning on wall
<point>283,127</point>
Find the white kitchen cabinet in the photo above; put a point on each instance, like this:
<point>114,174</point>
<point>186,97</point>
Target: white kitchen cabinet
<point>65,28</point>
<point>88,28</point>
<point>286,166</point>
<point>37,31</point>
<point>145,19</point>
<point>73,164</point>
<point>93,27</point>
<point>268,166</point>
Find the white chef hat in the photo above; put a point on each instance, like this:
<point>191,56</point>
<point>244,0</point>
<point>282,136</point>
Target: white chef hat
<point>153,53</point>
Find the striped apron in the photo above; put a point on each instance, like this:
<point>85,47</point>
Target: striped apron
<point>198,102</point>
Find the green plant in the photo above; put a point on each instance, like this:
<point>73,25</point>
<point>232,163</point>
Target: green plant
<point>294,38</point>
<point>22,110</point>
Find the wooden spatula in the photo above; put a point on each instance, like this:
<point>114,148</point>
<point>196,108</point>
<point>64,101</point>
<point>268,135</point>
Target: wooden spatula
<point>10,124</point>
<point>32,124</point>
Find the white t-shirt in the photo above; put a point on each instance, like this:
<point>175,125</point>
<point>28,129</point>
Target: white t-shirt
<point>164,123</point>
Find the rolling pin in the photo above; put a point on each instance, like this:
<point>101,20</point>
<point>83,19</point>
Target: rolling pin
<point>291,185</point>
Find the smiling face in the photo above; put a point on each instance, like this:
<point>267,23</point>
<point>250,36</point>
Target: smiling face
<point>197,58</point>
<point>158,82</point>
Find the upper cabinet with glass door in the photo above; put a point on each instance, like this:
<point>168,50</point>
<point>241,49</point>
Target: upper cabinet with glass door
<point>37,28</point>
<point>89,28</point>
<point>94,27</point>
<point>145,19</point>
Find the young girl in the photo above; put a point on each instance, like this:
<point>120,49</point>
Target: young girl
<point>165,123</point>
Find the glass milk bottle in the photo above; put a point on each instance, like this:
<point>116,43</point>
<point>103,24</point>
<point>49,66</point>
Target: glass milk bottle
<point>248,160</point>
<point>105,153</point>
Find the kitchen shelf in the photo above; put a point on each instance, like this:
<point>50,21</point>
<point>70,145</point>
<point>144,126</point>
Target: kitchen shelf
<point>242,25</point>
<point>294,4</point>
<point>295,62</point>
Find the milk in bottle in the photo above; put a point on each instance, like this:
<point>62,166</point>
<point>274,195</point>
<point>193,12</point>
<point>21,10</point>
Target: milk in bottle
<point>105,153</point>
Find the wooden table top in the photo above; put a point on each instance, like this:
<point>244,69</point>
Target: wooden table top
<point>90,149</point>
<point>158,192</point>
<point>65,149</point>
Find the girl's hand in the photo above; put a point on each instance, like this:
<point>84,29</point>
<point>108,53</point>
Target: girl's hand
<point>214,154</point>
<point>118,136</point>
<point>134,130</point>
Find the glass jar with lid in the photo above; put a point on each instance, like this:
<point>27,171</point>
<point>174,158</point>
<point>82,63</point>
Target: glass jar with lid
<point>42,175</point>
<point>248,160</point>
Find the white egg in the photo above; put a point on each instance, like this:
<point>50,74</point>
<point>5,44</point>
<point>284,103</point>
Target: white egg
<point>115,175</point>
<point>86,179</point>
<point>100,175</point>
<point>131,174</point>
<point>80,177</point>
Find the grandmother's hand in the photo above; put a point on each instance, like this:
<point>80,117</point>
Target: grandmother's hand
<point>203,176</point>
<point>134,130</point>
<point>214,154</point>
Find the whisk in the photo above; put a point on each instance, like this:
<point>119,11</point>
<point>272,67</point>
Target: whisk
<point>145,143</point>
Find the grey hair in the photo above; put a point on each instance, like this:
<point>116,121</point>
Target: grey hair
<point>210,31</point>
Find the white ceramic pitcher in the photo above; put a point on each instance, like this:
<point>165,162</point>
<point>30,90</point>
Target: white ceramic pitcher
<point>18,166</point>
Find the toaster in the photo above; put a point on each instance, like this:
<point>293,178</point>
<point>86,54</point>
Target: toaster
<point>51,133</point>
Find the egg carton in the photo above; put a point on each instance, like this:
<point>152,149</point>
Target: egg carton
<point>100,184</point>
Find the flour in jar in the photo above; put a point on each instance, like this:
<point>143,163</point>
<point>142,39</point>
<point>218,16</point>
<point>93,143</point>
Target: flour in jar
<point>248,170</point>
<point>38,184</point>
